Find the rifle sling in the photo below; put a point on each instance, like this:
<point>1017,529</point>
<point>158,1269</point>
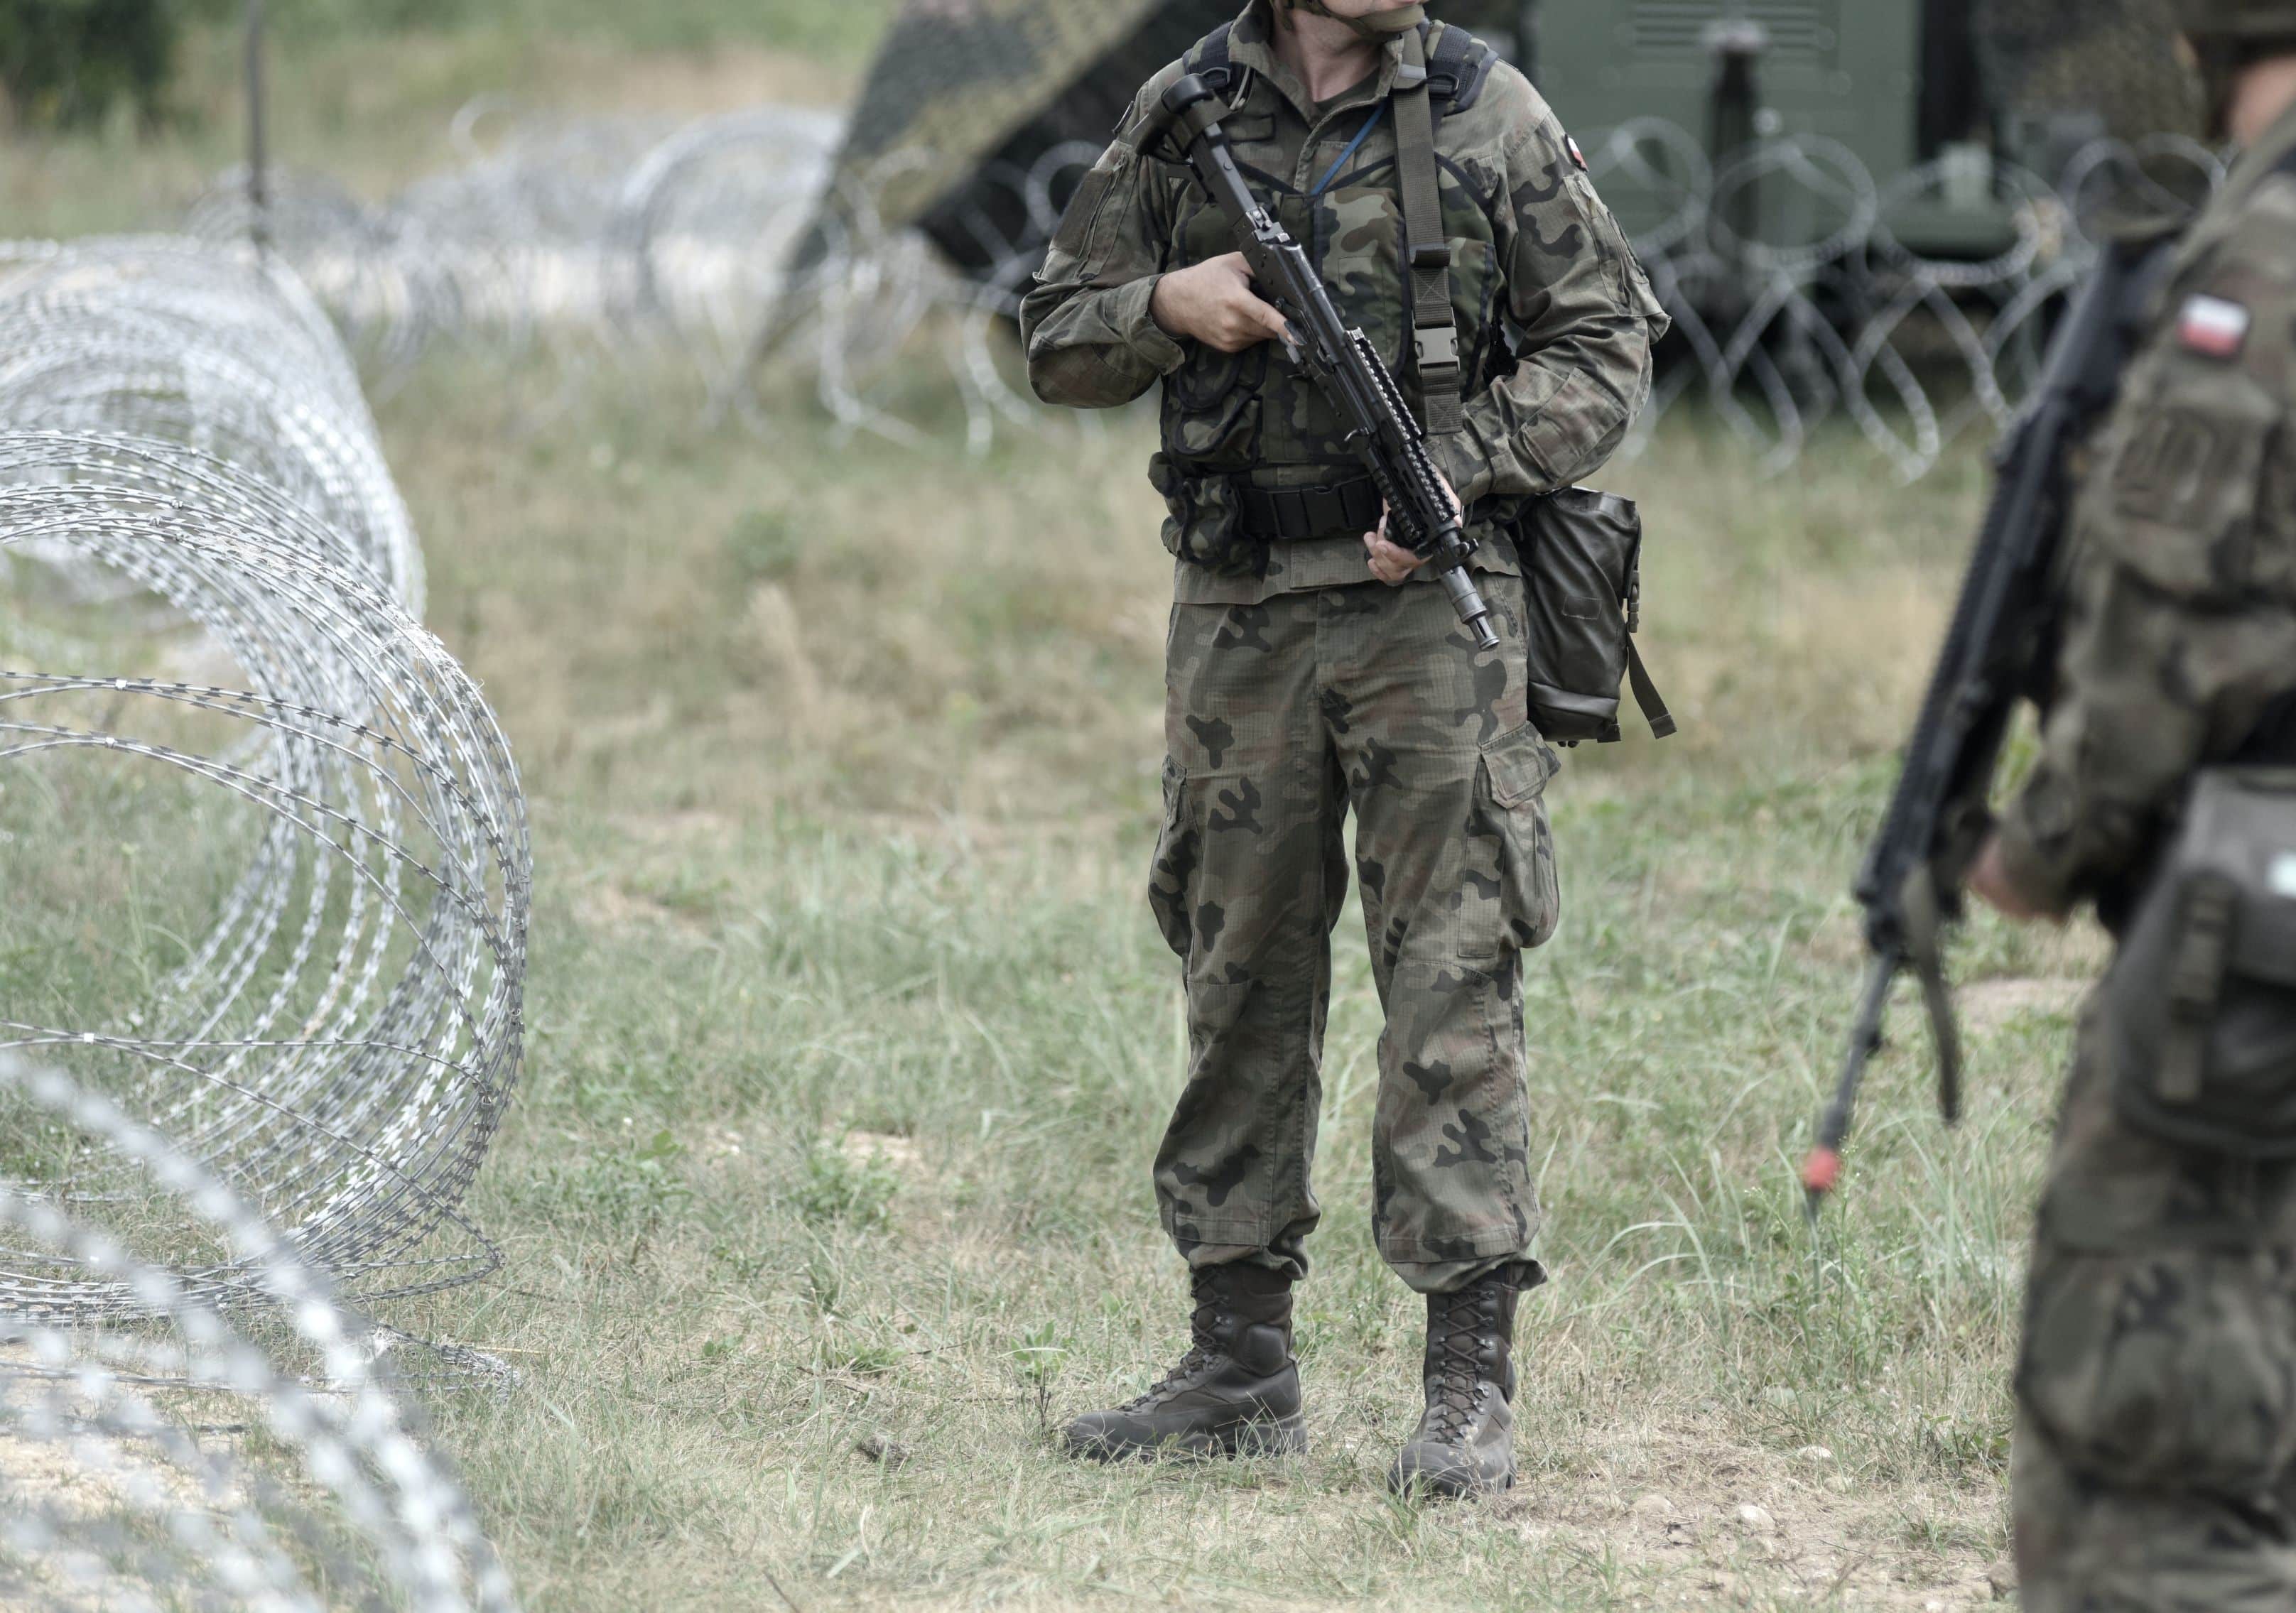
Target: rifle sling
<point>1926,955</point>
<point>1427,250</point>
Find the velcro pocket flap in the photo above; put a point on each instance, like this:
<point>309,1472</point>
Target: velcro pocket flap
<point>2184,486</point>
<point>1521,764</point>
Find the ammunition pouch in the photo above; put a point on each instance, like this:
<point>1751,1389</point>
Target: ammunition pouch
<point>1203,524</point>
<point>2200,1005</point>
<point>1581,558</point>
<point>1222,522</point>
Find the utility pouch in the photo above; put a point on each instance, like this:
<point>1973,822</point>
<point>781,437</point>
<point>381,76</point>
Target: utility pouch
<point>1581,557</point>
<point>2200,1005</point>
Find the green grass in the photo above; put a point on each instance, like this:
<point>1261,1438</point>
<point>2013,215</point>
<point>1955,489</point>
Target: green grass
<point>826,1195</point>
<point>364,94</point>
<point>852,1039</point>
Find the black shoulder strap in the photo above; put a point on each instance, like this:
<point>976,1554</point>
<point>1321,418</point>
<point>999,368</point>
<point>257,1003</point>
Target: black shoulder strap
<point>1210,60</point>
<point>1458,66</point>
<point>1427,248</point>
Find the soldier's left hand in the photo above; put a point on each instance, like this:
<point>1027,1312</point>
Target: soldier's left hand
<point>1992,883</point>
<point>1390,561</point>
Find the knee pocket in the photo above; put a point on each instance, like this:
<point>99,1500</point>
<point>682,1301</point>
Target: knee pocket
<point>1510,789</point>
<point>1191,907</point>
<point>2165,1369</point>
<point>1172,871</point>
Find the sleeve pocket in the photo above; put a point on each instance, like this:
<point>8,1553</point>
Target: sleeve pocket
<point>2183,491</point>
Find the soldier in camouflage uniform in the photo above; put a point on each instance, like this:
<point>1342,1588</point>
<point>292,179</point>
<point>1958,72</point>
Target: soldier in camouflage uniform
<point>1313,670</point>
<point>2156,1454</point>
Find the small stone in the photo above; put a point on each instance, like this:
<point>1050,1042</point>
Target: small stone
<point>1757,1519</point>
<point>1780,1397</point>
<point>1933,1606</point>
<point>2001,1579</point>
<point>890,1453</point>
<point>1815,1455</point>
<point>1840,1484</point>
<point>1653,1508</point>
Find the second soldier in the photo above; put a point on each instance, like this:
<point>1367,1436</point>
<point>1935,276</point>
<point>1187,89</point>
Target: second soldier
<point>1313,670</point>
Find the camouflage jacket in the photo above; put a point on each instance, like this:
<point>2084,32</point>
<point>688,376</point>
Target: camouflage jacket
<point>1556,318</point>
<point>2181,591</point>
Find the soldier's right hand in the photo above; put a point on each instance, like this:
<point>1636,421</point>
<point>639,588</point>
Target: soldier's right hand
<point>1213,301</point>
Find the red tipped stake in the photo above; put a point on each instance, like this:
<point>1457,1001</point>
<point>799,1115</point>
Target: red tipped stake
<point>1822,1171</point>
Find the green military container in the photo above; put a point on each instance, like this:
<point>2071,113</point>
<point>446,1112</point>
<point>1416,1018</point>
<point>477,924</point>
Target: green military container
<point>1889,85</point>
<point>1848,70</point>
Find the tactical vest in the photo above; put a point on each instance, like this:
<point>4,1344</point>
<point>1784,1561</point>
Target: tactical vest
<point>1452,78</point>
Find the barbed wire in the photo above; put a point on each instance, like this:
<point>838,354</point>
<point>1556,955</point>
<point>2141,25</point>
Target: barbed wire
<point>236,1447</point>
<point>341,1040</point>
<point>281,1085</point>
<point>212,348</point>
<point>1793,274</point>
<point>1842,315</point>
<point>337,1029</point>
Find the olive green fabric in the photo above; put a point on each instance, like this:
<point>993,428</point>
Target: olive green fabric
<point>1281,718</point>
<point>2156,1466</point>
<point>2182,601</point>
<point>1528,238</point>
<point>1299,692</point>
<point>2155,1457</point>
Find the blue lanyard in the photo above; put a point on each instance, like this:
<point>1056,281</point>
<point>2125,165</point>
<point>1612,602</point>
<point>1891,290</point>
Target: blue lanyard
<point>1354,146</point>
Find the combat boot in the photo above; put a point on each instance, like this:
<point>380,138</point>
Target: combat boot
<point>1464,1444</point>
<point>1235,1393</point>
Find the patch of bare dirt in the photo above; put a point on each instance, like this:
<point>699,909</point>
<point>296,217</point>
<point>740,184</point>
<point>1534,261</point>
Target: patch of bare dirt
<point>898,1153</point>
<point>1989,1005</point>
<point>608,906</point>
<point>1720,1526</point>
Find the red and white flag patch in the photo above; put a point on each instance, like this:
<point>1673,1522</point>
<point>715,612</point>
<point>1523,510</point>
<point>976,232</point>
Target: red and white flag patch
<point>2213,327</point>
<point>1576,156</point>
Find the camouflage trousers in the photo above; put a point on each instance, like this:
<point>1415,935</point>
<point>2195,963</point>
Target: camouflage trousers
<point>2155,1466</point>
<point>1282,718</point>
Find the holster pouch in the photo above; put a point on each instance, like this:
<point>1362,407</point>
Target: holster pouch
<point>2201,1004</point>
<point>1581,556</point>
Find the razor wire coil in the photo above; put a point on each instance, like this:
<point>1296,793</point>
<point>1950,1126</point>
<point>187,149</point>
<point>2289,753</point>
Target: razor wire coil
<point>1786,266</point>
<point>288,1103</point>
<point>118,1487</point>
<point>338,1035</point>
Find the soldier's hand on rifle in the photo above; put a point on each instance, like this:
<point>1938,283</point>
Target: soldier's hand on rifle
<point>1990,880</point>
<point>1392,563</point>
<point>1214,302</point>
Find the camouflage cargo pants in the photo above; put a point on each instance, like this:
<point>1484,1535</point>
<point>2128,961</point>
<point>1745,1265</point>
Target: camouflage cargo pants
<point>1281,718</point>
<point>2155,1466</point>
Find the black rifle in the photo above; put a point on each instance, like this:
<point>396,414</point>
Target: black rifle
<point>2000,648</point>
<point>1382,432</point>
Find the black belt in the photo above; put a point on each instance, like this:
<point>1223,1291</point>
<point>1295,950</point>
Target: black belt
<point>1285,515</point>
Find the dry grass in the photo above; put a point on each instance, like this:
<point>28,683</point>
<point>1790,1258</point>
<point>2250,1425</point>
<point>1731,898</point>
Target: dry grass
<point>805,719</point>
<point>827,1194</point>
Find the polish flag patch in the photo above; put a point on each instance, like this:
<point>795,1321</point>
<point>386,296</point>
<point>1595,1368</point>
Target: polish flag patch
<point>2213,327</point>
<point>1576,156</point>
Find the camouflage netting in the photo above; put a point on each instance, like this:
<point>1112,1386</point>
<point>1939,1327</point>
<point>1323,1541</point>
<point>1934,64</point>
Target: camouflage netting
<point>2103,62</point>
<point>967,97</point>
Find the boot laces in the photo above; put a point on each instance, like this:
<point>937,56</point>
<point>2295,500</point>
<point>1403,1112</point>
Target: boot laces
<point>1203,1350</point>
<point>1456,1381</point>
